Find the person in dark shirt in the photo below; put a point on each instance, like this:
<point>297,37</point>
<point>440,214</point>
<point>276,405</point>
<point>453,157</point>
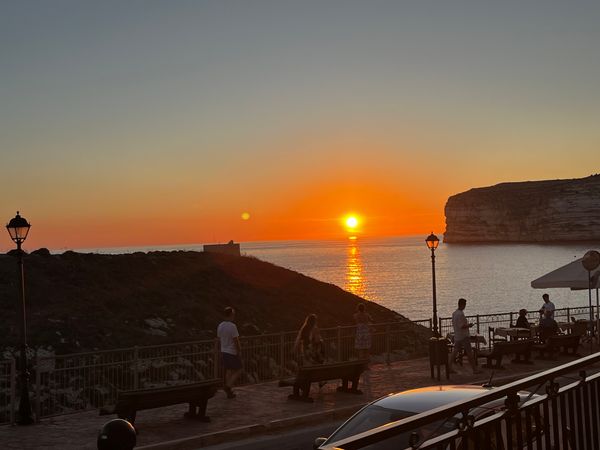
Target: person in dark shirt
<point>548,326</point>
<point>522,320</point>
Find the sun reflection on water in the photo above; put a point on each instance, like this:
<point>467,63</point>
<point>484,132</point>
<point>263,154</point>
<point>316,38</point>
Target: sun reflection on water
<point>354,269</point>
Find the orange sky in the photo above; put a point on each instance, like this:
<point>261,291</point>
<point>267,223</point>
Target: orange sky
<point>122,129</point>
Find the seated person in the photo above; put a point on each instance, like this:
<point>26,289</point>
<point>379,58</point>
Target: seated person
<point>522,319</point>
<point>548,326</point>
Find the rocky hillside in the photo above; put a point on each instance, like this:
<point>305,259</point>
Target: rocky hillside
<point>532,211</point>
<point>81,302</point>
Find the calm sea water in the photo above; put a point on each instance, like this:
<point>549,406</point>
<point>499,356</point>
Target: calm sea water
<point>396,272</point>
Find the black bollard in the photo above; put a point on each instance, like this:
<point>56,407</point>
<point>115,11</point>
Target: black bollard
<point>117,434</point>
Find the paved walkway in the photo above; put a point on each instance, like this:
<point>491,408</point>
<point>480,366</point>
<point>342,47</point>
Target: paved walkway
<point>257,408</point>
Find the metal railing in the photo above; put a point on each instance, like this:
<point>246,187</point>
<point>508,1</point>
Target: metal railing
<point>70,383</point>
<point>505,319</point>
<point>559,417</point>
<point>8,391</point>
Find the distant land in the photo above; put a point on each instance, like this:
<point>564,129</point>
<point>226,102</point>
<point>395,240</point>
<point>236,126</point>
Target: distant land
<point>530,211</point>
<point>85,301</point>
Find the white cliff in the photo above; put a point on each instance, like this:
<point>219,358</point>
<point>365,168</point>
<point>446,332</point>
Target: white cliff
<point>532,211</point>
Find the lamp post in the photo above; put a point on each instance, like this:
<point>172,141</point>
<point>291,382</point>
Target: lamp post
<point>432,243</point>
<point>18,228</point>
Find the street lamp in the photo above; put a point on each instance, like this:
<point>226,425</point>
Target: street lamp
<point>18,228</point>
<point>432,243</point>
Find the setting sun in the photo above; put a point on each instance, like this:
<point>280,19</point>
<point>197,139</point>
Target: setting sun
<point>351,222</point>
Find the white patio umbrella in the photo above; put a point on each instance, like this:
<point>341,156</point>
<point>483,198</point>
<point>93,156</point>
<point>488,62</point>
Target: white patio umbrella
<point>576,277</point>
<point>572,275</point>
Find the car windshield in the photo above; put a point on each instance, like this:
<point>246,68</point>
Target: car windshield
<point>374,416</point>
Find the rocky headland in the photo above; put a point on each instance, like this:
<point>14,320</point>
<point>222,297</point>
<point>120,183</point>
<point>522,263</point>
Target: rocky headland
<point>531,211</point>
<point>80,302</point>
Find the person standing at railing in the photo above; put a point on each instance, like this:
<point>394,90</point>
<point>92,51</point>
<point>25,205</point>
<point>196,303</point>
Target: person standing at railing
<point>229,339</point>
<point>547,306</point>
<point>309,344</point>
<point>462,337</point>
<point>363,322</point>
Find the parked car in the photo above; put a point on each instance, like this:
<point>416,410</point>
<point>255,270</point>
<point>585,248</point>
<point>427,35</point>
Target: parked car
<point>404,404</point>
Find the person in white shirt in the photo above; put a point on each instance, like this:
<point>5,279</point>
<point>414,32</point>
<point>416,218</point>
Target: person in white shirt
<point>462,338</point>
<point>547,306</point>
<point>231,349</point>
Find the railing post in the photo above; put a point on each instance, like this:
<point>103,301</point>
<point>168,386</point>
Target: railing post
<point>477,318</point>
<point>281,353</point>
<point>440,325</point>
<point>13,389</point>
<point>38,388</point>
<point>511,318</point>
<point>388,356</point>
<point>136,373</point>
<point>339,344</point>
<point>568,314</point>
<point>216,355</point>
<point>431,325</point>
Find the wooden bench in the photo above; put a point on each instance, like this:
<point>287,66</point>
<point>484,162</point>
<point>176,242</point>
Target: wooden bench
<point>347,372</point>
<point>196,394</point>
<point>521,349</point>
<point>568,343</point>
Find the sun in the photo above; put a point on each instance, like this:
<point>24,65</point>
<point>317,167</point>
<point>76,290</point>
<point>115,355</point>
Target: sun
<point>351,222</point>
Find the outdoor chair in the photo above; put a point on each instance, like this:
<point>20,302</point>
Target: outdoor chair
<point>493,338</point>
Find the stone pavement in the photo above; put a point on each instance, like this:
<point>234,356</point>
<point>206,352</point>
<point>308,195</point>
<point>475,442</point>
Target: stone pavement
<point>257,409</point>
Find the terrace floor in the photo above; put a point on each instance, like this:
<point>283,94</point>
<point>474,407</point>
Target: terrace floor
<point>257,409</point>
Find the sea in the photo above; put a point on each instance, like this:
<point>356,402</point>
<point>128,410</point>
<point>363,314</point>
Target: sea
<point>396,272</point>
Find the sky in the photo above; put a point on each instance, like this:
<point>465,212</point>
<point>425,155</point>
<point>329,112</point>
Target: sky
<point>127,123</point>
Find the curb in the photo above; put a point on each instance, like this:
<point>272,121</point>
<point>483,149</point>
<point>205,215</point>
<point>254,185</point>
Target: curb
<point>238,433</point>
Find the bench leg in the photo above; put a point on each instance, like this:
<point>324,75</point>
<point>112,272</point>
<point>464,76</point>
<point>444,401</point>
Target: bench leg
<point>301,392</point>
<point>197,410</point>
<point>354,389</point>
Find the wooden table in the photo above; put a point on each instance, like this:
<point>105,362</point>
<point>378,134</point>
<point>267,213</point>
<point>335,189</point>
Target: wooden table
<point>513,333</point>
<point>476,339</point>
<point>565,327</point>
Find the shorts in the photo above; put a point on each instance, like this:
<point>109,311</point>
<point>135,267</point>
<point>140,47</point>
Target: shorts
<point>463,344</point>
<point>231,362</point>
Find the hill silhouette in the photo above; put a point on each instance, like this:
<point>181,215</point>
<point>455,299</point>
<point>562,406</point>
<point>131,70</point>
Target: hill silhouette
<point>85,301</point>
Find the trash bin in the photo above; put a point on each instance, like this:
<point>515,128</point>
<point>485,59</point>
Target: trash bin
<point>438,356</point>
<point>117,434</point>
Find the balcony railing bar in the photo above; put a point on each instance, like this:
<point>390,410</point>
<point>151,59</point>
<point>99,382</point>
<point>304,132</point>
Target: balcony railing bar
<point>419,420</point>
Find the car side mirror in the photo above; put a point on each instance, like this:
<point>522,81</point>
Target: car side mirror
<point>318,442</point>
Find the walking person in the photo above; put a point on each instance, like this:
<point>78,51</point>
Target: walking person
<point>363,322</point>
<point>229,339</point>
<point>547,306</point>
<point>462,337</point>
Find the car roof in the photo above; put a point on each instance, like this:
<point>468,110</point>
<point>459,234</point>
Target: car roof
<point>423,399</point>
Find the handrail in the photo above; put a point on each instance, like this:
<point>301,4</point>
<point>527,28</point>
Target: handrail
<point>414,422</point>
<point>211,340</point>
